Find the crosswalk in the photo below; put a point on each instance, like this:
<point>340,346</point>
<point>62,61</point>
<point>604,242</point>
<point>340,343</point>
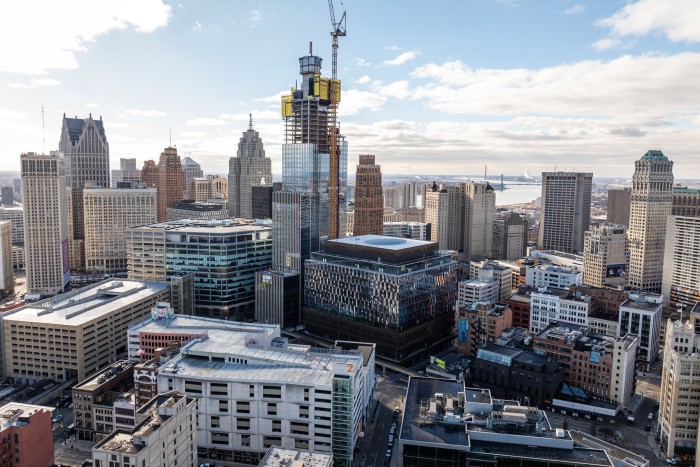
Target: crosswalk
<point>639,446</point>
<point>639,430</point>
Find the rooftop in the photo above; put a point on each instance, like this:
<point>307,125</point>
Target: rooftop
<point>104,376</point>
<point>380,242</point>
<point>214,226</point>
<point>280,457</point>
<point>17,414</point>
<point>643,301</point>
<point>616,452</point>
<point>86,304</point>
<point>654,155</point>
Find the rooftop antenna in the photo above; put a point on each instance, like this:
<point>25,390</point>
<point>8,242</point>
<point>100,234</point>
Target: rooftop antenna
<point>43,127</point>
<point>250,123</point>
<point>171,138</point>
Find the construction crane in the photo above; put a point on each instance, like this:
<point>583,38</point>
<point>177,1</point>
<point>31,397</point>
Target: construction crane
<point>334,159</point>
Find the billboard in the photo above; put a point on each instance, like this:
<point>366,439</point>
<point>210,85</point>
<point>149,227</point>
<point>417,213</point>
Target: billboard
<point>615,270</point>
<point>463,324</point>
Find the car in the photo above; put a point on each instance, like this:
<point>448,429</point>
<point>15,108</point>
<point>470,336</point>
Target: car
<point>57,418</point>
<point>630,420</point>
<point>391,440</point>
<point>388,452</point>
<point>650,416</point>
<point>671,460</point>
<point>647,427</point>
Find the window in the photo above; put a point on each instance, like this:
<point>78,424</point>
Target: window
<point>272,408</point>
<point>223,406</point>
<point>277,426</point>
<point>242,407</point>
<point>215,422</point>
<point>243,423</point>
<point>272,392</point>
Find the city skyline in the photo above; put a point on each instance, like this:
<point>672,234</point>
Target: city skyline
<point>582,86</point>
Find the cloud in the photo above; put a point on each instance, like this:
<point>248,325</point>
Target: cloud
<point>364,79</point>
<point>402,58</point>
<point>353,101</point>
<point>33,83</point>
<point>574,9</point>
<point>258,115</point>
<point>197,26</point>
<point>362,62</point>
<point>392,47</point>
<point>91,105</point>
<point>627,131</point>
<point>397,89</point>
<point>191,134</point>
<point>144,113</point>
<point>647,86</point>
<point>206,122</point>
<point>254,17</point>
<point>48,47</point>
<point>676,19</point>
<point>607,44</point>
<point>10,114</point>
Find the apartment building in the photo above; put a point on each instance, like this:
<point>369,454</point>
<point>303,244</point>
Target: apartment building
<point>566,210</point>
<point>26,438</point>
<point>164,435</point>
<point>547,275</point>
<point>479,323</point>
<point>606,255</point>
<point>558,305</point>
<point>680,285</point>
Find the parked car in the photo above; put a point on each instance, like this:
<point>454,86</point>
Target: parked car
<point>391,440</point>
<point>57,418</point>
<point>647,427</point>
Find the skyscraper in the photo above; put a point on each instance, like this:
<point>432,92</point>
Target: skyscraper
<point>169,185</point>
<point>566,210</point>
<point>190,169</point>
<point>681,268</point>
<point>149,174</point>
<point>249,168</point>
<point>127,173</point>
<point>462,218</point>
<point>605,255</point>
<point>652,201</point>
<point>369,201</point>
<point>86,152</point>
<point>45,226</point>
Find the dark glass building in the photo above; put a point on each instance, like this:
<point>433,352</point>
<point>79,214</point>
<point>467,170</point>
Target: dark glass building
<point>399,293</point>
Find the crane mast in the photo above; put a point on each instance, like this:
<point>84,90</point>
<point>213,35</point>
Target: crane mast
<point>334,156</point>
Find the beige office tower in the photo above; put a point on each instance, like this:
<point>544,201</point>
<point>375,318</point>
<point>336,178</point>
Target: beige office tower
<point>680,285</point>
<point>619,206</point>
<point>605,255</point>
<point>45,229</point>
<point>462,218</point>
<point>7,277</point>
<point>86,153</point>
<point>369,201</point>
<point>200,189</point>
<point>169,185</point>
<point>652,198</point>
<point>249,168</point>
<point>566,210</point>
<point>680,380</point>
<point>219,187</point>
<point>108,213</point>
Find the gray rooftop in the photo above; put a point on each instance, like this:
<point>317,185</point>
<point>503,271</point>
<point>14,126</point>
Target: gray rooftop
<point>381,242</point>
<point>280,457</point>
<point>213,226</point>
<point>87,304</point>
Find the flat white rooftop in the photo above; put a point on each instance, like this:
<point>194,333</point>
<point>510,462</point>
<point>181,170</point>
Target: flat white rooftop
<point>86,304</point>
<point>381,242</point>
<point>213,226</point>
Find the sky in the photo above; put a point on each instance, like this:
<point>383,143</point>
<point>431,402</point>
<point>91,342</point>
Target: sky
<point>442,87</point>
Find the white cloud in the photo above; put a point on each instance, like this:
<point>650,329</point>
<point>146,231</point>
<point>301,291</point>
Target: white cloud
<point>650,85</point>
<point>676,19</point>
<point>19,86</point>
<point>92,105</point>
<point>392,47</point>
<point>254,17</point>
<point>10,114</point>
<point>397,89</point>
<point>197,26</point>
<point>206,122</point>
<point>402,58</point>
<point>353,101</point>
<point>258,115</point>
<point>362,62</point>
<point>606,43</point>
<point>144,113</point>
<point>191,134</point>
<point>364,79</point>
<point>574,9</point>
<point>33,83</point>
<point>45,46</point>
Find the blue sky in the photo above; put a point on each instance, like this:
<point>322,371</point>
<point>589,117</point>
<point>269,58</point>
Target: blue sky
<point>429,87</point>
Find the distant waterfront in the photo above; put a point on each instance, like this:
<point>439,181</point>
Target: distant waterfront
<point>514,194</point>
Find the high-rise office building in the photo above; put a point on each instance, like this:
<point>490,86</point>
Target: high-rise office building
<point>606,255</point>
<point>301,211</point>
<point>619,206</point>
<point>45,227</point>
<point>369,201</point>
<point>566,210</point>
<point>127,174</point>
<point>8,196</point>
<point>219,187</point>
<point>7,276</point>
<point>86,152</point>
<point>262,202</point>
<point>461,218</point>
<point>641,315</point>
<point>169,182</point>
<point>17,188</point>
<point>108,213</point>
<point>680,379</point>
<point>681,269</point>
<point>190,169</point>
<point>199,189</point>
<point>249,168</point>
<point>149,174</point>
<point>357,288</point>
<point>16,216</point>
<point>686,201</point>
<point>224,256</point>
<point>510,236</point>
<point>406,195</point>
<point>651,203</point>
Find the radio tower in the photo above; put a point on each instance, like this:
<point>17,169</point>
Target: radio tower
<point>334,159</point>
